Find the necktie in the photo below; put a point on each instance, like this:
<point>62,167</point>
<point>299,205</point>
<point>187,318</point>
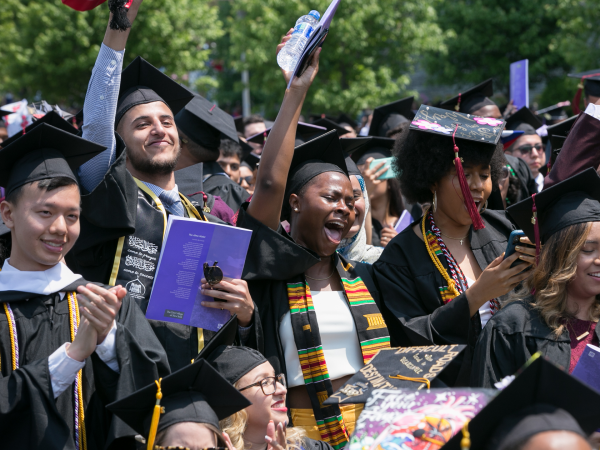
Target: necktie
<point>172,202</point>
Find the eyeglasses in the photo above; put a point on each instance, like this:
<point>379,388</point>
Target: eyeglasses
<point>505,173</point>
<point>268,384</point>
<point>528,147</point>
<point>247,179</point>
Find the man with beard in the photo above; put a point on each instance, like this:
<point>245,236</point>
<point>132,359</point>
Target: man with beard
<point>129,189</point>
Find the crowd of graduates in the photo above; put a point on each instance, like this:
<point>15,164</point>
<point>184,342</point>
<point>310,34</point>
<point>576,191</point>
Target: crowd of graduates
<point>348,256</point>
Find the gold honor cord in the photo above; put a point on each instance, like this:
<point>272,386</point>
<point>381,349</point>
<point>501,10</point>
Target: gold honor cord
<point>418,380</point>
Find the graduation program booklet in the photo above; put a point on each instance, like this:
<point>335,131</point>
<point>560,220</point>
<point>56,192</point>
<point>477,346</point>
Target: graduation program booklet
<point>188,244</point>
<point>315,41</point>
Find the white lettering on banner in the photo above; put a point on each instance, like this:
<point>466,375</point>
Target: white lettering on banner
<point>143,245</point>
<point>139,263</point>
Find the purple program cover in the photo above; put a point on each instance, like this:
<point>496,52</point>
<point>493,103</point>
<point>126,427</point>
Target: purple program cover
<point>409,419</point>
<point>404,221</point>
<point>188,244</point>
<point>588,367</point>
<point>519,83</point>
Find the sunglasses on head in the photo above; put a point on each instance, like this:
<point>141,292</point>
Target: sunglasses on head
<point>527,148</point>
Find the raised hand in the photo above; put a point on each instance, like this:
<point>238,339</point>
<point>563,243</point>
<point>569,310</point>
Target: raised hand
<point>235,298</point>
<point>84,343</point>
<point>100,307</point>
<point>276,437</point>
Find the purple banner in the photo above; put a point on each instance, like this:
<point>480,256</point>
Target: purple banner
<point>519,83</point>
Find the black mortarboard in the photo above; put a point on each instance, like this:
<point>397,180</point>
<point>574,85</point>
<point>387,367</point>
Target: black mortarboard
<point>572,201</point>
<point>225,336</point>
<point>252,160</point>
<point>44,152</point>
<point>352,168</point>
<point>142,83</point>
<point>315,117</point>
<point>330,125</point>
<point>537,384</point>
<point>472,99</point>
<point>396,368</point>
<point>388,117</point>
<point>562,128</point>
<point>345,118</point>
<point>524,120</point>
<point>304,132</point>
<point>591,81</point>
<point>554,112</point>
<point>459,127</point>
<point>239,124</point>
<point>362,148</point>
<point>204,122</point>
<point>235,362</point>
<point>52,118</point>
<point>196,393</point>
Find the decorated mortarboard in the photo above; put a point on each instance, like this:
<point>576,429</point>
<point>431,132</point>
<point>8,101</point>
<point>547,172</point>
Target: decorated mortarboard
<point>524,120</point>
<point>225,336</point>
<point>472,99</point>
<point>4,112</point>
<point>52,118</point>
<point>196,393</point>
<point>554,112</point>
<point>572,201</point>
<point>142,83</point>
<point>460,127</point>
<point>387,117</point>
<point>330,125</point>
<point>536,385</point>
<point>562,128</point>
<point>44,152</point>
<point>590,80</point>
<point>362,148</point>
<point>304,132</point>
<point>345,118</point>
<point>204,122</point>
<point>397,368</point>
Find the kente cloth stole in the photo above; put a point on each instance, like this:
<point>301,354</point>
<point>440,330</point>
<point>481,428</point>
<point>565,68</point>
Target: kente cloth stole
<point>372,335</point>
<point>445,263</point>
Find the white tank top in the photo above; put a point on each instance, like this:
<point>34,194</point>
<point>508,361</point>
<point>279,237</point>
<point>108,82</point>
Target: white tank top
<point>485,312</point>
<point>338,338</point>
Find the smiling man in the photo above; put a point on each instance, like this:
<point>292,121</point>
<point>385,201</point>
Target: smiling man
<point>130,188</point>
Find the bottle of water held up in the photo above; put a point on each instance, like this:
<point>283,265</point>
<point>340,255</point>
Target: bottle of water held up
<point>290,54</point>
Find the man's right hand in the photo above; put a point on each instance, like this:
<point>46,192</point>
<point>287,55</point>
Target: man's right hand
<point>117,39</point>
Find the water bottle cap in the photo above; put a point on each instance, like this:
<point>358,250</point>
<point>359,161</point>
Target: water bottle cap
<point>315,14</point>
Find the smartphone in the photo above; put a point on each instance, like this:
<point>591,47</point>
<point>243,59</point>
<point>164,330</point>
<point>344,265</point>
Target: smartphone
<point>513,240</point>
<point>390,173</point>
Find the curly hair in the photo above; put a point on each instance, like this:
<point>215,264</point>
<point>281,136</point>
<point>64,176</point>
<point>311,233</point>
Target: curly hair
<point>422,159</point>
<point>551,277</point>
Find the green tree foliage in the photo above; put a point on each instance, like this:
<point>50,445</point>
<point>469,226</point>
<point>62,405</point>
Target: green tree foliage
<point>579,37</point>
<point>49,48</point>
<point>485,36</point>
<point>366,60</point>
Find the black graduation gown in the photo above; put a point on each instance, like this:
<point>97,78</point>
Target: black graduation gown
<point>523,172</point>
<point>412,305</point>
<point>510,338</point>
<point>30,417</point>
<point>273,259</point>
<point>312,444</point>
<point>189,181</point>
<point>110,212</point>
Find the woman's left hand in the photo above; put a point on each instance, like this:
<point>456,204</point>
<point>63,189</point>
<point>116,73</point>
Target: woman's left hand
<point>275,438</point>
<point>527,253</point>
<point>236,296</point>
<point>387,234</point>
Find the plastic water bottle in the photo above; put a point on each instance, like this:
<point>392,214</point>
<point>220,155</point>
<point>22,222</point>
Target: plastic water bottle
<point>290,54</point>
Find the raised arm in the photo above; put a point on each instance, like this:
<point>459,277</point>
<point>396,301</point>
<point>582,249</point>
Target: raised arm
<point>100,103</point>
<point>277,155</point>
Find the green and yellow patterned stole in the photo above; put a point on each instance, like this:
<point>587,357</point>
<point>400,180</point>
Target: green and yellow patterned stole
<point>372,336</point>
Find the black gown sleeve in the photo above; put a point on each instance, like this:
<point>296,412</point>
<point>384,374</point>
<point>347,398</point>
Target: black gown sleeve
<point>312,444</point>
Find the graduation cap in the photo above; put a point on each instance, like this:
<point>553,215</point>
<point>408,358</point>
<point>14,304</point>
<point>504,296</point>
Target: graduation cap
<point>322,154</point>
<point>142,83</point>
<point>590,80</point>
<point>554,112</point>
<point>362,148</point>
<point>388,117</point>
<point>562,128</point>
<point>44,152</point>
<point>315,117</point>
<point>352,168</point>
<point>52,118</point>
<point>233,362</point>
<point>225,336</point>
<point>345,118</point>
<point>3,112</point>
<point>204,122</point>
<point>304,132</point>
<point>572,201</point>
<point>524,120</point>
<point>197,393</point>
<point>472,99</point>
<point>239,124</point>
<point>460,127</point>
<point>541,383</point>
<point>396,368</point>
<point>330,125</point>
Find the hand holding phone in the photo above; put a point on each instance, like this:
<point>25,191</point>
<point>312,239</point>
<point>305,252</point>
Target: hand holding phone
<point>514,240</point>
<point>387,164</point>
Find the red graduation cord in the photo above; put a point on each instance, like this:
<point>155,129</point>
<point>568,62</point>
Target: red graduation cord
<point>577,98</point>
<point>464,187</point>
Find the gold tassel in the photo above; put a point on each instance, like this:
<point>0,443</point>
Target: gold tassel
<point>418,380</point>
<point>465,442</point>
<point>155,417</point>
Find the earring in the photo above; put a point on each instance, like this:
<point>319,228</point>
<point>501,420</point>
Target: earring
<point>296,209</point>
<point>484,207</point>
<point>434,201</point>
<point>185,141</point>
